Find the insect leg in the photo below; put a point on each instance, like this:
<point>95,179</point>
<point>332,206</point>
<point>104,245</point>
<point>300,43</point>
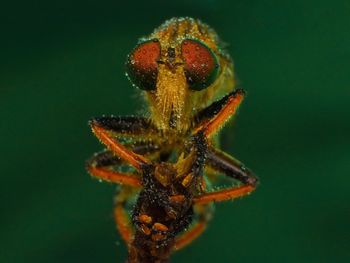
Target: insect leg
<point>223,195</point>
<point>200,148</point>
<point>211,119</point>
<point>121,217</point>
<point>223,163</point>
<point>108,129</point>
<point>204,213</point>
<point>100,166</point>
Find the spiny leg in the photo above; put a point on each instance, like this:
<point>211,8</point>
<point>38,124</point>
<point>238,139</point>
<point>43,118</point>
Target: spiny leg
<point>101,165</point>
<point>199,149</point>
<point>204,213</point>
<point>226,164</point>
<point>223,163</point>
<point>197,183</point>
<point>115,177</point>
<point>133,159</point>
<point>211,119</point>
<point>121,217</point>
<point>223,195</point>
<point>125,125</point>
<point>210,111</point>
<point>109,129</point>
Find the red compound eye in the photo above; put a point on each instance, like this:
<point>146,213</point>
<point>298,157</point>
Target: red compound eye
<point>201,65</point>
<point>142,66</point>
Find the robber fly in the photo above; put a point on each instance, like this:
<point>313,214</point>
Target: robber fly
<point>164,162</point>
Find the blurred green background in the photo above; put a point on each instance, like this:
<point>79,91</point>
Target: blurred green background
<point>62,62</point>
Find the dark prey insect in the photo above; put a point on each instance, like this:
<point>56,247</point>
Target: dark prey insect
<point>164,162</point>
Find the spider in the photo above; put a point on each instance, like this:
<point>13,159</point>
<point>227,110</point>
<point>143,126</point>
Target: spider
<point>167,159</point>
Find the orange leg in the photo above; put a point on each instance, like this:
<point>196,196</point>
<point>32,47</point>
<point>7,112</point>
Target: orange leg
<point>223,195</point>
<point>187,237</point>
<point>123,223</point>
<point>121,217</point>
<point>204,199</point>
<point>223,163</point>
<point>100,166</point>
<point>115,177</point>
<point>136,160</point>
<point>204,213</point>
<point>228,109</point>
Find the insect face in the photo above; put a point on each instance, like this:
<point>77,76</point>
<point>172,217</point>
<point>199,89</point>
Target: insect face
<point>182,69</point>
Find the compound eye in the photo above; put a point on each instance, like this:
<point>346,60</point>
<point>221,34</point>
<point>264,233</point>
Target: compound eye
<point>201,65</point>
<point>142,66</point>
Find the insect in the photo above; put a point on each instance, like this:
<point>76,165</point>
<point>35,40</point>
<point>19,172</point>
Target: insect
<point>164,161</point>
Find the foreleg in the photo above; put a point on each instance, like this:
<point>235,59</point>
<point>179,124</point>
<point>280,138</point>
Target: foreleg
<point>109,129</point>
<point>227,165</point>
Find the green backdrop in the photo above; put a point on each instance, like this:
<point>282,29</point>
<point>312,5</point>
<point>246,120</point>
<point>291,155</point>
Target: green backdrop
<point>62,62</point>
